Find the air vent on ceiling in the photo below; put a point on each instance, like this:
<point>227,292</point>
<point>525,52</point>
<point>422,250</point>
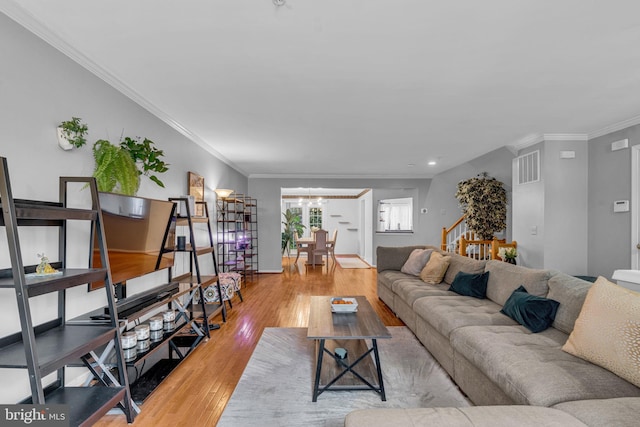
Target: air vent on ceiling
<point>528,167</point>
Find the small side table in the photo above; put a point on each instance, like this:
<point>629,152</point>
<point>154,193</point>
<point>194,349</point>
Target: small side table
<point>349,331</point>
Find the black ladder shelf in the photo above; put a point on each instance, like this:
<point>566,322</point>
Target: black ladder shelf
<point>194,275</point>
<point>49,347</point>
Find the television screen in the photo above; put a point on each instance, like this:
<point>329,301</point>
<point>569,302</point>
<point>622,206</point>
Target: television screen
<point>139,233</point>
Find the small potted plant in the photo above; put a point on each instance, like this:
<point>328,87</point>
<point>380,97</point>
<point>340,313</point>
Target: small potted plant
<point>72,133</point>
<point>508,254</point>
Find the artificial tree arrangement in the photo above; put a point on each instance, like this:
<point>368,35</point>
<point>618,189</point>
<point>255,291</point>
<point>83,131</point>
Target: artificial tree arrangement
<point>483,200</point>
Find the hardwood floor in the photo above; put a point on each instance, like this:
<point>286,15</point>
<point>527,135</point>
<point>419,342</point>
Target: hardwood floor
<point>199,389</point>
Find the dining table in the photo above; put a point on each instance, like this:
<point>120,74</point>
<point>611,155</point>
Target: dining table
<point>311,242</point>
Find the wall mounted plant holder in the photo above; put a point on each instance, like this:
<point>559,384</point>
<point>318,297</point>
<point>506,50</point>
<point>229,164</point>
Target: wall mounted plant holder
<point>63,141</point>
<point>71,133</point>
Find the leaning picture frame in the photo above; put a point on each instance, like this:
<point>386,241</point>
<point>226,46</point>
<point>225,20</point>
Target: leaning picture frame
<point>196,189</point>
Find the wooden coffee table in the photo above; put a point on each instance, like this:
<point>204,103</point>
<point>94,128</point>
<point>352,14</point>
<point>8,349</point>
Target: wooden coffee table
<point>348,331</point>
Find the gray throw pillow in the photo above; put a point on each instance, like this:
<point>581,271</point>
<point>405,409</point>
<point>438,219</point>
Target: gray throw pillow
<point>416,261</point>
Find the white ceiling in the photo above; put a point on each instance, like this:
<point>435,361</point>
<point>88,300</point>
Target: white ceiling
<point>358,88</point>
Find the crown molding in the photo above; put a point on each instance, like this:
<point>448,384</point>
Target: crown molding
<point>28,21</point>
<point>524,142</point>
<point>615,127</point>
<point>533,139</point>
<point>329,176</point>
<point>565,137</point>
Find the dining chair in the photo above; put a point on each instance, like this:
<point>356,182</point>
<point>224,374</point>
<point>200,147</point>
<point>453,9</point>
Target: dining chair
<point>300,247</point>
<point>322,246</point>
<point>332,244</point>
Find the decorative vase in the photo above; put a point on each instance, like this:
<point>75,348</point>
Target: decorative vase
<point>511,261</point>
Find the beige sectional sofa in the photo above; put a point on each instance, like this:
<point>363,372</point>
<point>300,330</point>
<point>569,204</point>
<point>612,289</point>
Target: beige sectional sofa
<point>493,359</point>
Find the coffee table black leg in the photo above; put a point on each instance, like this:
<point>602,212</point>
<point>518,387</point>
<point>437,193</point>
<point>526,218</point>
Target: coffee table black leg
<point>316,383</point>
<point>374,343</point>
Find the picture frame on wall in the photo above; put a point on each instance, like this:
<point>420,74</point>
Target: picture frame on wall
<point>196,189</point>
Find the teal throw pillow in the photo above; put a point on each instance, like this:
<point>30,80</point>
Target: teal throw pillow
<point>471,285</point>
<point>533,312</point>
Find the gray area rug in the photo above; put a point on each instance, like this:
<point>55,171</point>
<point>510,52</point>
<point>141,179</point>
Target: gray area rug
<point>276,386</point>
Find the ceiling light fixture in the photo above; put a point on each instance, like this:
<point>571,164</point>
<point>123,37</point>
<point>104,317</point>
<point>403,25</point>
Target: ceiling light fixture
<point>432,163</point>
<point>279,2</point>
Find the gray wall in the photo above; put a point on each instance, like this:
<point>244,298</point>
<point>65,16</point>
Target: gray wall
<point>267,193</point>
<point>441,202</point>
<point>609,240</point>
<point>528,212</point>
<point>437,195</point>
<point>565,203</point>
<point>556,206</point>
<point>39,88</point>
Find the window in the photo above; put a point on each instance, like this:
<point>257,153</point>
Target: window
<point>529,167</point>
<point>395,215</point>
<point>310,215</point>
<point>315,217</point>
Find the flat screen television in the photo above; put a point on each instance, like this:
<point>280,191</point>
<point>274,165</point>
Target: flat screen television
<point>139,233</point>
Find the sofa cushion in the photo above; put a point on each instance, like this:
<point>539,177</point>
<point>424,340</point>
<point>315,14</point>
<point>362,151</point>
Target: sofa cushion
<point>619,412</point>
<point>409,290</point>
<point>388,277</point>
<point>504,278</point>
<point>393,258</point>
<point>570,292</point>
<point>477,416</point>
<point>532,369</point>
<point>416,261</point>
<point>607,331</point>
<point>460,263</point>
<point>533,312</point>
<point>446,313</point>
<point>471,285</point>
<point>434,270</point>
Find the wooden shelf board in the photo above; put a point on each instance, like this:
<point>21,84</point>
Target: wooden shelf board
<point>29,212</point>
<point>58,346</point>
<point>68,279</point>
<point>86,404</point>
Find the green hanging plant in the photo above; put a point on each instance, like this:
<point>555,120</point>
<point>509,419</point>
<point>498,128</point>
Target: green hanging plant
<point>115,170</point>
<point>483,200</point>
<point>118,167</point>
<point>147,156</point>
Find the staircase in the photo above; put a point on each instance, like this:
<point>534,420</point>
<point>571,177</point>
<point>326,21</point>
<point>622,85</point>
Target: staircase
<point>461,240</point>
